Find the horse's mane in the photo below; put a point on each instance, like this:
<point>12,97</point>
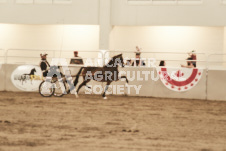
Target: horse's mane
<point>112,61</point>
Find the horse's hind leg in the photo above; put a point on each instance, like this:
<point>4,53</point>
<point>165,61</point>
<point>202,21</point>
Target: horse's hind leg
<point>80,86</point>
<point>126,84</point>
<point>105,90</point>
<point>124,78</point>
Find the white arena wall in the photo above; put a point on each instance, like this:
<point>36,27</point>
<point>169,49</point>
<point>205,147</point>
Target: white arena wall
<point>210,87</point>
<point>224,45</point>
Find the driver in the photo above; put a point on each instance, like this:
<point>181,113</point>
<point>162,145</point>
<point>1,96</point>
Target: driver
<point>44,64</point>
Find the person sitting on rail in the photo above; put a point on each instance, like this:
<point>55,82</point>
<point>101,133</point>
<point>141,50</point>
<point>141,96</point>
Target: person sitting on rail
<point>138,61</point>
<point>76,59</point>
<point>189,64</point>
<point>193,56</point>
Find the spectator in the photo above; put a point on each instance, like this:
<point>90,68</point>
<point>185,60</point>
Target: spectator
<point>189,63</point>
<point>193,56</point>
<point>138,61</point>
<point>76,59</point>
<point>162,63</point>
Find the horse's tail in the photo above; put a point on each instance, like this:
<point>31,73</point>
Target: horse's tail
<point>77,76</point>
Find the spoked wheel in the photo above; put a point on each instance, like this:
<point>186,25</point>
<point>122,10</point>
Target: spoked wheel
<point>46,89</point>
<point>59,89</point>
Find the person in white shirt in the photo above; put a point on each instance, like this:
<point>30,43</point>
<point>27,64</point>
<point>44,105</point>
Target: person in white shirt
<point>76,59</point>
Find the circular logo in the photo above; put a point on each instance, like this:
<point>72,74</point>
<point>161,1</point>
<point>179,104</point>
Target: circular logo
<point>179,80</point>
<point>27,77</point>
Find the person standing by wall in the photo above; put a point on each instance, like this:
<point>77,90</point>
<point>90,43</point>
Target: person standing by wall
<point>76,59</point>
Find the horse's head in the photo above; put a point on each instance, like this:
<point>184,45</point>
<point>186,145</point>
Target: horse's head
<point>34,70</point>
<point>120,60</point>
<point>115,61</point>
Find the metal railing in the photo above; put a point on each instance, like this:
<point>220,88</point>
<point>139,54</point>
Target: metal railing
<point>152,59</point>
<point>2,56</point>
<point>32,56</point>
<point>216,61</point>
<point>172,59</point>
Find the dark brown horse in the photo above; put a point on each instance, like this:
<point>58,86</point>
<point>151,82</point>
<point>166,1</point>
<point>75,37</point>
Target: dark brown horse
<point>108,73</point>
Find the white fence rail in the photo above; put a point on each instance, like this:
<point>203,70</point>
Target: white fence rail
<point>216,61</point>
<point>32,56</point>
<point>172,59</point>
<point>2,55</point>
<point>98,58</point>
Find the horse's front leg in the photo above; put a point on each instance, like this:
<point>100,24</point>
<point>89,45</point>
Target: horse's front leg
<point>127,81</point>
<point>105,90</point>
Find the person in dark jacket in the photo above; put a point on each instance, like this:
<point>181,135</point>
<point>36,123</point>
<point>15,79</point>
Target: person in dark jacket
<point>44,64</point>
<point>47,70</point>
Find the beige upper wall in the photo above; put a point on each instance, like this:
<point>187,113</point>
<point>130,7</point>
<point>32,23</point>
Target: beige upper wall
<point>210,13</point>
<point>168,38</point>
<point>56,40</point>
<point>79,12</point>
<point>224,47</point>
<point>58,37</point>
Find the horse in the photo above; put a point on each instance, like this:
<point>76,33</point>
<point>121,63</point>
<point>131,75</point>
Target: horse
<point>108,73</point>
<point>31,75</point>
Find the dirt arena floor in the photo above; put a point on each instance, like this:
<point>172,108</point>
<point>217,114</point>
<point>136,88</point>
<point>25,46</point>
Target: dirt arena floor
<point>30,122</point>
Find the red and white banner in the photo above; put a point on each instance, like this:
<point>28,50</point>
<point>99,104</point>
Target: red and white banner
<point>179,79</point>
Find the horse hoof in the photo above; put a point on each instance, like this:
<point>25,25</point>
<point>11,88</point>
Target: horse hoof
<point>105,98</point>
<point>126,85</point>
<point>76,95</point>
